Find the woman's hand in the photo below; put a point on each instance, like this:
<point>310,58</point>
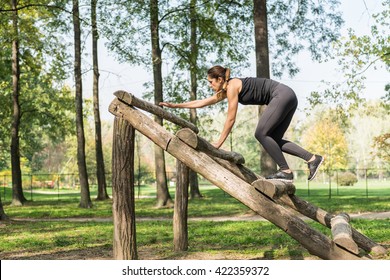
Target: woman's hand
<point>216,145</point>
<point>167,104</point>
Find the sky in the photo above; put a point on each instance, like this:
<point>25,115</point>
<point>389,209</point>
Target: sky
<point>356,13</point>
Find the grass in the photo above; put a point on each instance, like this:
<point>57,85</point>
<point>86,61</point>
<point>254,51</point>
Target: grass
<point>214,203</point>
<point>242,240</point>
<point>53,239</point>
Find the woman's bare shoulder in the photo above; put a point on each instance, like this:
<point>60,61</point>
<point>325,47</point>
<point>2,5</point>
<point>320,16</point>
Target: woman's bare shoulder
<point>236,84</point>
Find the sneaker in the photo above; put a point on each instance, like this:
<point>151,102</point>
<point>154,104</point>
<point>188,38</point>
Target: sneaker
<point>281,176</point>
<point>314,166</point>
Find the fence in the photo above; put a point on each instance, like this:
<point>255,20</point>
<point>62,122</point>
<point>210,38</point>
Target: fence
<point>361,182</point>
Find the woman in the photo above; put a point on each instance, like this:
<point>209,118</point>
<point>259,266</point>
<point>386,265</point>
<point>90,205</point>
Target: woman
<point>281,104</point>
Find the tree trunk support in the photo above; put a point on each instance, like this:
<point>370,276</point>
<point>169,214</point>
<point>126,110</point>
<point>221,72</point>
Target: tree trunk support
<point>123,207</point>
<point>180,214</point>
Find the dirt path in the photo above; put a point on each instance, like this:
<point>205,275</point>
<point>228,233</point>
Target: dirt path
<point>246,217</point>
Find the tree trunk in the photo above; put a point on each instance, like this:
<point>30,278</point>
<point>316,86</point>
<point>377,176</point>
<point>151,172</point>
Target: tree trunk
<point>180,214</point>
<point>194,184</point>
<point>100,170</point>
<point>17,190</point>
<point>123,207</point>
<point>3,216</point>
<point>85,200</point>
<point>267,165</point>
<point>163,197</point>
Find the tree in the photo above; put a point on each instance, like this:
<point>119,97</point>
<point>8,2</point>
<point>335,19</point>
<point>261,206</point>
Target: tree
<point>100,170</point>
<point>267,165</point>
<point>17,191</point>
<point>355,55</point>
<point>44,111</point>
<point>368,122</point>
<point>382,146</point>
<point>327,138</point>
<point>201,33</point>
<point>163,197</point>
<point>194,54</point>
<point>282,30</point>
<point>3,216</point>
<point>138,42</point>
<point>85,200</point>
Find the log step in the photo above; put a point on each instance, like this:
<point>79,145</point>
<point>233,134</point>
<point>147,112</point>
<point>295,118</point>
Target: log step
<point>273,188</point>
<point>342,233</point>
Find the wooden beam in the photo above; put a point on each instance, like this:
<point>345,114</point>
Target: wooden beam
<point>315,242</point>
<point>342,233</point>
<point>130,99</point>
<point>193,140</point>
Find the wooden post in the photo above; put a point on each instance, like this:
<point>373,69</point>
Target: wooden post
<point>315,242</point>
<point>123,208</point>
<point>342,233</point>
<point>180,214</point>
<point>193,140</point>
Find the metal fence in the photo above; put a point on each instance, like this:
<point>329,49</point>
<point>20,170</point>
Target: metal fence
<point>357,182</point>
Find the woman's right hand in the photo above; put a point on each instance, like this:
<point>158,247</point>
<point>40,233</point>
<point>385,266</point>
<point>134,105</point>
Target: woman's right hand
<point>167,104</point>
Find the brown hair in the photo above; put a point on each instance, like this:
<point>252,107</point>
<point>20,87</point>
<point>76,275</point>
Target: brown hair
<point>218,71</point>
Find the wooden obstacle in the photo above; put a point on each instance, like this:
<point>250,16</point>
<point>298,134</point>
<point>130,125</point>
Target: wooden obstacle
<point>245,186</point>
<point>342,233</point>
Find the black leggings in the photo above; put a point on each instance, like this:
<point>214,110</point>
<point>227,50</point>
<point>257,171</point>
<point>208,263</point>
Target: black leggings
<point>273,124</point>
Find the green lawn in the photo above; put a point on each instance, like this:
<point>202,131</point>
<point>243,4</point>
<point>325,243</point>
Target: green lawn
<point>35,239</point>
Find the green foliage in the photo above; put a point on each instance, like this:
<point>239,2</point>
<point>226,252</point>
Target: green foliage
<point>369,122</point>
<point>298,25</point>
<point>355,55</point>
<point>46,105</point>
<point>326,137</point>
<point>347,179</point>
<point>382,147</point>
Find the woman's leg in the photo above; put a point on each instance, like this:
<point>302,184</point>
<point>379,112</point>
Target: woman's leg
<point>274,123</point>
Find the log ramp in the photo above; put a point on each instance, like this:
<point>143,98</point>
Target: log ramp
<point>273,200</point>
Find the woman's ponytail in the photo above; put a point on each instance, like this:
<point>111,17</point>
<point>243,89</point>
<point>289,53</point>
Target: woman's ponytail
<point>227,77</point>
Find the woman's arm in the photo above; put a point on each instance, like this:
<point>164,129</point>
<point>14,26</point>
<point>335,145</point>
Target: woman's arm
<point>232,96</point>
<point>195,103</point>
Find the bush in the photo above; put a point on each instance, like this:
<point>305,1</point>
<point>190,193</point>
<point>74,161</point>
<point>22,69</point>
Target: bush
<point>347,179</point>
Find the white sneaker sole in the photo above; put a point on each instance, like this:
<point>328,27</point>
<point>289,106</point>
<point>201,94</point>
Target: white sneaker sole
<point>282,180</point>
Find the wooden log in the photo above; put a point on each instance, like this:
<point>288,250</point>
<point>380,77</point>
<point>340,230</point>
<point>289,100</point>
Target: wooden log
<point>130,99</point>
<point>180,214</point>
<point>273,188</point>
<point>306,208</point>
<point>120,109</point>
<point>315,242</point>
<point>193,140</point>
<point>123,207</point>
<point>342,233</point>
